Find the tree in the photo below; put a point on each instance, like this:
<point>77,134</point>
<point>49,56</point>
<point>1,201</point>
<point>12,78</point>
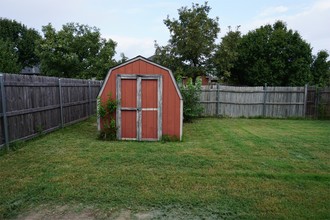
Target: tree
<point>104,59</point>
<point>76,51</point>
<point>192,41</point>
<point>321,69</point>
<point>164,56</point>
<point>22,41</point>
<point>123,58</point>
<point>274,55</point>
<point>226,55</point>
<point>8,58</point>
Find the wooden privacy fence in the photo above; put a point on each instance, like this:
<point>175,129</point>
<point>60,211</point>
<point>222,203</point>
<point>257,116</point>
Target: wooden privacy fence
<point>318,103</point>
<point>219,100</point>
<point>34,104</point>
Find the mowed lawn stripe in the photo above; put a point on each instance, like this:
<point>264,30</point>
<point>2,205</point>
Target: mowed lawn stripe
<point>239,168</point>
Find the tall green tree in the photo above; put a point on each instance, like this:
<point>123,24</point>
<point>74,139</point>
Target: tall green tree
<point>76,51</point>
<point>192,40</point>
<point>226,55</point>
<point>274,55</point>
<point>22,41</point>
<point>164,55</point>
<point>321,69</point>
<point>8,58</point>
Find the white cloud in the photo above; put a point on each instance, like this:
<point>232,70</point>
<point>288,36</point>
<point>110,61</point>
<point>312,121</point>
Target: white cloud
<point>313,25</point>
<point>273,11</point>
<point>132,46</point>
<point>321,5</point>
<point>312,22</point>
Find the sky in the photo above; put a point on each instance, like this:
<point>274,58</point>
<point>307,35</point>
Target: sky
<point>136,24</point>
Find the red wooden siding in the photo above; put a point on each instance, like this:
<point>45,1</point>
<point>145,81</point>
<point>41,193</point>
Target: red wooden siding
<point>171,102</point>
<point>149,123</point>
<point>128,128</point>
<point>149,101</point>
<point>129,88</point>
<point>149,94</point>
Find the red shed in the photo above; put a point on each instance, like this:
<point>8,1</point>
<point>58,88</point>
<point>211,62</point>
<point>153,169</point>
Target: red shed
<point>149,101</point>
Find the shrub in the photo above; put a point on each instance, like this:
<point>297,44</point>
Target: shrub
<point>105,111</point>
<point>191,95</point>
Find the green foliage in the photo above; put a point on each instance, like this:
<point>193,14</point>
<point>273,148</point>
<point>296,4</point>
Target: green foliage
<point>322,114</point>
<point>8,58</point>
<point>274,55</point>
<point>105,111</point>
<point>123,58</point>
<point>111,105</point>
<point>192,40</point>
<point>164,55</point>
<point>169,138</point>
<point>101,109</point>
<point>321,69</point>
<point>191,95</point>
<point>76,51</point>
<point>19,44</point>
<point>226,55</point>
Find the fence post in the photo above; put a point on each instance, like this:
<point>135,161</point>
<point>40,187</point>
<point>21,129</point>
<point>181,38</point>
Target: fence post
<point>61,101</point>
<point>89,98</point>
<point>264,103</point>
<point>4,111</point>
<point>218,99</point>
<point>305,100</point>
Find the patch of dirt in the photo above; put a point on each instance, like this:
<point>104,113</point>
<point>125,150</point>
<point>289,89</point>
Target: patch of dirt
<point>90,213</point>
<point>59,212</point>
<point>69,213</point>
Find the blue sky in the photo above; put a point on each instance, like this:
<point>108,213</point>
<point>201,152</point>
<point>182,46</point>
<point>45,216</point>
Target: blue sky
<point>134,25</point>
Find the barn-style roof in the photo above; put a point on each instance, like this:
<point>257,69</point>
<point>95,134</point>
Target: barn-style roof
<point>146,60</point>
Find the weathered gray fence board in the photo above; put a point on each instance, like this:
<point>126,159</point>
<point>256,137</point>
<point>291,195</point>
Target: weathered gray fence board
<point>219,100</point>
<point>318,102</point>
<point>33,103</point>
<point>285,102</point>
<point>324,103</point>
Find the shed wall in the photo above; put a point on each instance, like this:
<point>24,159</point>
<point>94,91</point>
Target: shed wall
<point>171,100</point>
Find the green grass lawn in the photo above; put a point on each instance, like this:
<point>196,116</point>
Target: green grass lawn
<point>224,168</point>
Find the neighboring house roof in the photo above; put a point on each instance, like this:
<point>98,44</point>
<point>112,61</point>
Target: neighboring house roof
<point>34,70</point>
<point>152,58</point>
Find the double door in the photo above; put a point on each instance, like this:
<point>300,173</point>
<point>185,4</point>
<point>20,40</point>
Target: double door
<point>139,111</point>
